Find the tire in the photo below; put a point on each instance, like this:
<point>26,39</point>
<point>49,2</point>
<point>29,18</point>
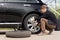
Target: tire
<point>18,34</point>
<point>38,30</point>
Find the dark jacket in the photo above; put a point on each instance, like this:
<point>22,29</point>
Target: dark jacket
<point>49,16</point>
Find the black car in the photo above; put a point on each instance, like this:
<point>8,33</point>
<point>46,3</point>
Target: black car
<point>26,12</point>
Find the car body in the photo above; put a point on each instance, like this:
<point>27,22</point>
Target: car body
<point>18,10</point>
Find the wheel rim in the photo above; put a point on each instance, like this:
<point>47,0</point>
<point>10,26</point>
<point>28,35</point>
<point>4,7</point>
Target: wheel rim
<point>32,24</point>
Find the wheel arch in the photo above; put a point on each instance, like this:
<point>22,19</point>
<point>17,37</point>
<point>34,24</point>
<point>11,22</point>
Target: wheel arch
<point>33,12</point>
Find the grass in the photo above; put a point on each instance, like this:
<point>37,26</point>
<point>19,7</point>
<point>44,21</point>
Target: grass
<point>6,28</point>
<point>58,16</point>
<point>59,12</point>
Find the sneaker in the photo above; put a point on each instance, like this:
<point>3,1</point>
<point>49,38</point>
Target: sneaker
<point>41,34</point>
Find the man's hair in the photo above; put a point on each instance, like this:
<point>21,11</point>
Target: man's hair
<point>43,6</point>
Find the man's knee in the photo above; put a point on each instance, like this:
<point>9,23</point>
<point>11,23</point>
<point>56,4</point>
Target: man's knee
<point>43,19</point>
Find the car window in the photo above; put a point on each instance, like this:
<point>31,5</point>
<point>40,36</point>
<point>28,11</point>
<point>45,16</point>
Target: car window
<point>15,0</point>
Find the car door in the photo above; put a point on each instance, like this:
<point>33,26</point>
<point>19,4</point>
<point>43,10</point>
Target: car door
<point>14,10</point>
<point>2,10</point>
<point>2,4</point>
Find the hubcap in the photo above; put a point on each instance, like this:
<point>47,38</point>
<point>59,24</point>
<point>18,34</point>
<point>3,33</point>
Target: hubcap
<point>32,24</point>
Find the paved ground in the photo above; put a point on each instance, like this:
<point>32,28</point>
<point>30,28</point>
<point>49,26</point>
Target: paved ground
<point>55,36</point>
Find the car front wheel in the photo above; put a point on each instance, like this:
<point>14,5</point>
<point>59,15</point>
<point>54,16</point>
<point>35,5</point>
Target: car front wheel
<point>30,23</point>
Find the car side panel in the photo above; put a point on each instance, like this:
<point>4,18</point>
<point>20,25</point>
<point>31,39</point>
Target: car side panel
<point>17,9</point>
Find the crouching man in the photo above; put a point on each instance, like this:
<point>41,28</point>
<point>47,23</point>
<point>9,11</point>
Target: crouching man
<point>47,20</point>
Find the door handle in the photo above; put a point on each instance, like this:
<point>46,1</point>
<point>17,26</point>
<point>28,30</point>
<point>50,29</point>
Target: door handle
<point>27,5</point>
<point>1,4</point>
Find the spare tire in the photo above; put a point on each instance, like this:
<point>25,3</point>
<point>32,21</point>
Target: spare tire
<point>18,34</point>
